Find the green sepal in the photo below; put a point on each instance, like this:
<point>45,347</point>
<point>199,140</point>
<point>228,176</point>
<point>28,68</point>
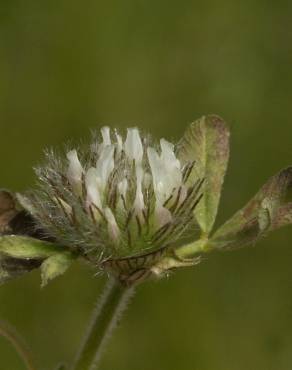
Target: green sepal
<point>267,211</point>
<point>206,143</point>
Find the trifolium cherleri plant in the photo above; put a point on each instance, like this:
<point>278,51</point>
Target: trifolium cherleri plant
<point>134,208</point>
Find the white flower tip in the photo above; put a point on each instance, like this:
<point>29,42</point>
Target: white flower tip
<point>72,155</point>
<point>166,145</point>
<point>119,141</point>
<point>75,170</point>
<point>106,135</point>
<point>167,154</point>
<point>134,145</point>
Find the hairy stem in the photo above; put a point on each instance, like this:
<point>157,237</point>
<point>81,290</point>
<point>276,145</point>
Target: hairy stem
<point>8,332</point>
<point>190,250</point>
<point>104,319</point>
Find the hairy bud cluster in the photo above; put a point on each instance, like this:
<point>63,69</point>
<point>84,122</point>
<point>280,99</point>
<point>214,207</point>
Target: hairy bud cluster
<point>118,198</point>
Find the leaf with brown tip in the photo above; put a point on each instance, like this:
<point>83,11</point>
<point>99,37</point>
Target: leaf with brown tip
<point>265,212</point>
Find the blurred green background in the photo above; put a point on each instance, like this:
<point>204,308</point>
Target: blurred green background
<point>70,66</point>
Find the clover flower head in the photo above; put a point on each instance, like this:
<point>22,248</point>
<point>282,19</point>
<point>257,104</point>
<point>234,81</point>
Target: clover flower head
<point>132,207</point>
<point>121,197</point>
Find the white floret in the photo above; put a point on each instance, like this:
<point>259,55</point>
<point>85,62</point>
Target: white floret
<point>75,171</point>
<point>134,145</point>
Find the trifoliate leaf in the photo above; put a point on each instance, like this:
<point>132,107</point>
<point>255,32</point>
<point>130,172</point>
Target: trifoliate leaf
<point>265,212</point>
<point>206,142</point>
<point>55,266</point>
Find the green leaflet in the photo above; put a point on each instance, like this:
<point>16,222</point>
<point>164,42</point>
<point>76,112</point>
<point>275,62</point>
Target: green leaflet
<point>267,211</point>
<point>55,265</point>
<point>206,142</point>
<point>21,254</point>
<point>26,247</point>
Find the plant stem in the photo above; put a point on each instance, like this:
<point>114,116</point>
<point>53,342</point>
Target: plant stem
<point>190,250</point>
<point>8,332</point>
<point>104,319</point>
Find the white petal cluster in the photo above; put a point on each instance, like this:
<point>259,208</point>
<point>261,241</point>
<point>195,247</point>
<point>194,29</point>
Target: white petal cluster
<point>164,173</point>
<point>121,196</point>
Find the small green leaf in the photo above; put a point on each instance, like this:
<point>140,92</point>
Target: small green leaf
<point>21,254</point>
<point>206,142</point>
<point>26,247</point>
<point>55,266</point>
<point>265,212</point>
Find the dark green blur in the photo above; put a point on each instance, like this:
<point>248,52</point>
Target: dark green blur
<point>69,66</point>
